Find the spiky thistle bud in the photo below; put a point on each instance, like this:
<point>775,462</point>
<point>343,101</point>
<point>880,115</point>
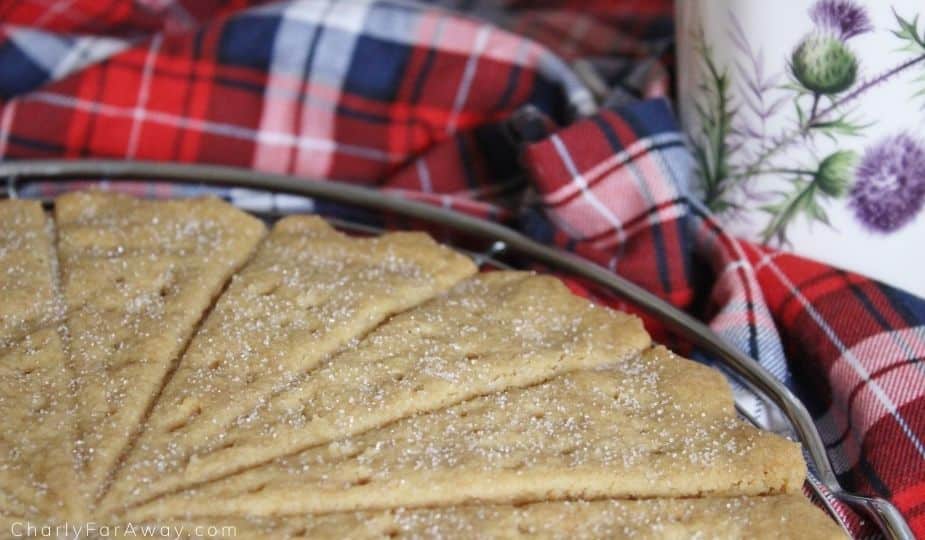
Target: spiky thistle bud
<point>824,64</point>
<point>835,172</point>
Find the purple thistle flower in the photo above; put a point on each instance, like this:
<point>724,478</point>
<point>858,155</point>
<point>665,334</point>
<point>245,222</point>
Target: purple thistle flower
<point>844,18</point>
<point>889,187</point>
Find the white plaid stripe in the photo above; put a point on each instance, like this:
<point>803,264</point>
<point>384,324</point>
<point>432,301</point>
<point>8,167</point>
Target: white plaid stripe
<point>60,56</point>
<point>424,175</point>
<point>668,213</point>
<point>582,214</point>
<point>291,48</point>
<point>503,46</point>
<point>842,513</point>
<point>402,17</point>
<point>226,130</point>
<point>610,199</point>
<point>138,113</point>
<point>612,162</point>
<point>874,402</point>
<point>44,49</point>
<point>903,382</point>
<point>465,85</point>
<point>576,92</point>
<point>564,225</point>
<point>5,122</point>
<point>770,352</point>
<point>55,9</point>
<point>332,58</point>
<point>85,51</point>
<point>640,170</point>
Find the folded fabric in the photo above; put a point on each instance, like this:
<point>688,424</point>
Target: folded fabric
<point>485,113</point>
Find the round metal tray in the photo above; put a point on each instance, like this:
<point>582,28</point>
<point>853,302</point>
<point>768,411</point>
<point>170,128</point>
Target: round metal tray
<point>493,244</point>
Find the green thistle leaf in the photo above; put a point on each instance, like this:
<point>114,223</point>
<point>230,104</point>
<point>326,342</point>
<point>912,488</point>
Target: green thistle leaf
<point>841,125</point>
<point>914,43</point>
<point>801,116</point>
<point>909,30</point>
<point>832,179</point>
<point>715,112</point>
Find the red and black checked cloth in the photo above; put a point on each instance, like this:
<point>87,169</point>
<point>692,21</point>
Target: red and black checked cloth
<point>482,113</point>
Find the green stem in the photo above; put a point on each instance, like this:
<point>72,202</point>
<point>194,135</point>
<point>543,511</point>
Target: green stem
<point>817,116</point>
<point>780,221</point>
<point>812,112</point>
<point>711,155</point>
<point>718,142</point>
<point>865,87</point>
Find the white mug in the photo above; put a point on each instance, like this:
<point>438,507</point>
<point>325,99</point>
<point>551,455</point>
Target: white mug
<point>807,120</point>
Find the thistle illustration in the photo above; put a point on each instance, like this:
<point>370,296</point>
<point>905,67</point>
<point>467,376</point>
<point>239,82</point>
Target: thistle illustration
<point>831,179</point>
<point>738,143</point>
<point>715,111</point>
<point>824,65</point>
<point>834,174</point>
<point>889,190</point>
<point>842,18</point>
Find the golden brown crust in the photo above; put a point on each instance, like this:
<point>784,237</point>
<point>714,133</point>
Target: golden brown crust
<point>36,432</point>
<point>136,278</point>
<point>308,291</point>
<point>627,430</point>
<point>752,518</point>
<point>493,331</point>
<point>27,260</point>
<point>350,387</point>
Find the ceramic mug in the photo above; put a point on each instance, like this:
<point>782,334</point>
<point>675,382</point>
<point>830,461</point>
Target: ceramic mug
<point>807,121</point>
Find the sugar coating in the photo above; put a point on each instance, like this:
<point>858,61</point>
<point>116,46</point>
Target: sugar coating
<point>307,292</point>
<point>36,432</point>
<point>136,277</point>
<point>630,429</point>
<point>366,388</point>
<point>493,331</point>
<point>27,269</point>
<point>773,517</point>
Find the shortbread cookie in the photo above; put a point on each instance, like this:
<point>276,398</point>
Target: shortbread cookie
<point>38,474</point>
<point>308,291</point>
<point>36,432</point>
<point>655,426</point>
<point>748,518</point>
<point>27,298</point>
<point>137,276</point>
<point>494,331</point>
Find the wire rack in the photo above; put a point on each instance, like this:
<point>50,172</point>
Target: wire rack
<point>489,244</point>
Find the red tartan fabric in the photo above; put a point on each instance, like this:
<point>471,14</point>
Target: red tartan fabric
<point>481,113</point>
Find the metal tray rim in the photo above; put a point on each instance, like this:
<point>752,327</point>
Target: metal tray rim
<point>880,511</point>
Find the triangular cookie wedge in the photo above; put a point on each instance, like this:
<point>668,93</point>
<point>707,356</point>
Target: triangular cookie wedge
<point>28,299</point>
<point>775,517</point>
<point>137,277</point>
<point>654,426</point>
<point>308,292</point>
<point>37,470</point>
<point>38,474</point>
<point>494,331</point>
